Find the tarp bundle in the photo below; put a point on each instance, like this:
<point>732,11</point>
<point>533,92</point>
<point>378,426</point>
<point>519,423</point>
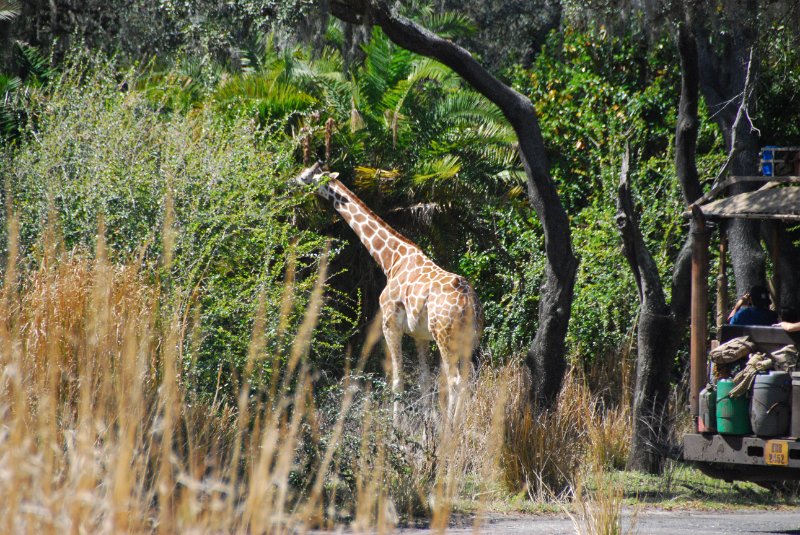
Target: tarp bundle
<point>785,358</point>
<point>758,362</point>
<point>732,350</point>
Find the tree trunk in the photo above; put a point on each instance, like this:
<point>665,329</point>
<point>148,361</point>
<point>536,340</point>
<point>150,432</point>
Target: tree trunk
<point>655,341</point>
<point>545,357</point>
<point>312,28</point>
<point>661,327</point>
<point>723,74</point>
<point>688,123</point>
<point>686,130</point>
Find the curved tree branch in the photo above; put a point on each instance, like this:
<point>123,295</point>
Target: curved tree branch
<point>645,269</point>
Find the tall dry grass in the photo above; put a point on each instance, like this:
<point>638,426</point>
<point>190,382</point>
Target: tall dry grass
<point>599,511</point>
<point>103,433</point>
<point>546,451</point>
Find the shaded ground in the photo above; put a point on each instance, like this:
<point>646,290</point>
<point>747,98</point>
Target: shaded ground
<point>651,522</point>
<point>680,501</point>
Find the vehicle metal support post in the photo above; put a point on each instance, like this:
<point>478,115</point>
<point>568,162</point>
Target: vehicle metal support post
<point>776,273</point>
<point>722,283</point>
<point>700,243</point>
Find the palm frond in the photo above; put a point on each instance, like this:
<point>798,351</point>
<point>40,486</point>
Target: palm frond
<point>250,61</point>
<point>356,120</point>
<point>9,109</point>
<point>33,62</point>
<point>334,34</point>
<point>470,107</point>
<point>440,169</point>
<point>282,101</point>
<point>262,94</point>
<point>430,69</point>
<point>371,177</point>
<point>9,9</point>
<point>9,84</point>
<point>384,66</point>
<point>450,24</point>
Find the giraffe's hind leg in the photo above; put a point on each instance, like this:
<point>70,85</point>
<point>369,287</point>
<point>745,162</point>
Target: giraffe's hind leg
<point>393,334</point>
<point>456,343</point>
<point>423,353</point>
<point>452,385</point>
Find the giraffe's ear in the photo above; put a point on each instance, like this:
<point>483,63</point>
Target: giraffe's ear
<point>333,175</point>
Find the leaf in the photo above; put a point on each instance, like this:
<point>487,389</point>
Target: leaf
<point>368,177</point>
<point>441,169</point>
<point>9,9</point>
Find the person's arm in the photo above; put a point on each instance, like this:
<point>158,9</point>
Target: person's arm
<point>789,327</point>
<point>744,300</point>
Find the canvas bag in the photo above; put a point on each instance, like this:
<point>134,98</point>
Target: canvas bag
<point>732,350</point>
<point>785,358</point>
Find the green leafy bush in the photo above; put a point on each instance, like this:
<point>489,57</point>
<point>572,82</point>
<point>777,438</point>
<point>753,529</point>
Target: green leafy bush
<point>98,150</point>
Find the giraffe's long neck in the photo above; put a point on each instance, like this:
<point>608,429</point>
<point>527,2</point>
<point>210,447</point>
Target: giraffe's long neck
<point>387,246</point>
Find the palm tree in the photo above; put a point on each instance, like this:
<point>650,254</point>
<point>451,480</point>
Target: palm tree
<point>35,72</point>
<point>424,151</point>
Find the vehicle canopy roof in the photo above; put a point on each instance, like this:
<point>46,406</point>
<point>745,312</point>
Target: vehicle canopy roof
<point>777,199</point>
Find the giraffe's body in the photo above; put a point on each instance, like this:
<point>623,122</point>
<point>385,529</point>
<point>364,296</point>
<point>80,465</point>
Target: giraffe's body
<point>420,299</point>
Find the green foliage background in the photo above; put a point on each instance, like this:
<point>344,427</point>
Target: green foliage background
<point>89,138</point>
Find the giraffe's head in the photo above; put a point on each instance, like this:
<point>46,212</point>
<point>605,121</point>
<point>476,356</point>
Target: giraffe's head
<point>313,175</point>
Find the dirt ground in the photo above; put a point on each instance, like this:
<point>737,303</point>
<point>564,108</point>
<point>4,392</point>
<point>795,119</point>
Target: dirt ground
<point>648,522</point>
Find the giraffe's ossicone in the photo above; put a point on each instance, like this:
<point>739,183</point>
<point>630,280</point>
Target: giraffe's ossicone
<point>420,299</point>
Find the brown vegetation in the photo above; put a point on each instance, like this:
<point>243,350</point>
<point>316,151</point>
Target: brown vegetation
<point>104,433</point>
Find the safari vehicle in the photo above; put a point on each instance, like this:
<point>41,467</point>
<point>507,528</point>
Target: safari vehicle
<point>740,456</point>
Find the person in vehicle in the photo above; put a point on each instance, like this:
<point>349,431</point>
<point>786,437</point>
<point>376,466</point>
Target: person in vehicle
<point>753,309</point>
<point>789,327</point>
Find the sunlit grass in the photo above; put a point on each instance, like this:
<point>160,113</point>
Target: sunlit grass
<point>104,433</point>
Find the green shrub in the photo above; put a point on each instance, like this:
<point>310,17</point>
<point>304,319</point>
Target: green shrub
<point>98,150</point>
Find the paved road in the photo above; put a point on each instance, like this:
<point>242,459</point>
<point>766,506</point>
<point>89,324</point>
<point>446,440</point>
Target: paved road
<point>649,522</point>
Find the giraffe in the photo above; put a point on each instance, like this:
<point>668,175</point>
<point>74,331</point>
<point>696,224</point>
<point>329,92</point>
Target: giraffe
<point>420,298</point>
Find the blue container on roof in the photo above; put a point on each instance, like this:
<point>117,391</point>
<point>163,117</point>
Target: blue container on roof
<point>768,160</point>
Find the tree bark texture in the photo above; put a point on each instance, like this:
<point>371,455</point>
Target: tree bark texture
<point>688,123</point>
<point>724,62</point>
<point>656,340</point>
<point>661,327</point>
<point>545,357</point>
<point>787,268</point>
<point>686,130</point>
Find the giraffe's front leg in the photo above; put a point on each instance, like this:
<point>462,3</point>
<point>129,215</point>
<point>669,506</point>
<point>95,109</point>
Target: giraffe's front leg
<point>393,333</point>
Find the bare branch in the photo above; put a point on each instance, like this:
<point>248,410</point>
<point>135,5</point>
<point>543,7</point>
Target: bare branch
<point>747,91</point>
